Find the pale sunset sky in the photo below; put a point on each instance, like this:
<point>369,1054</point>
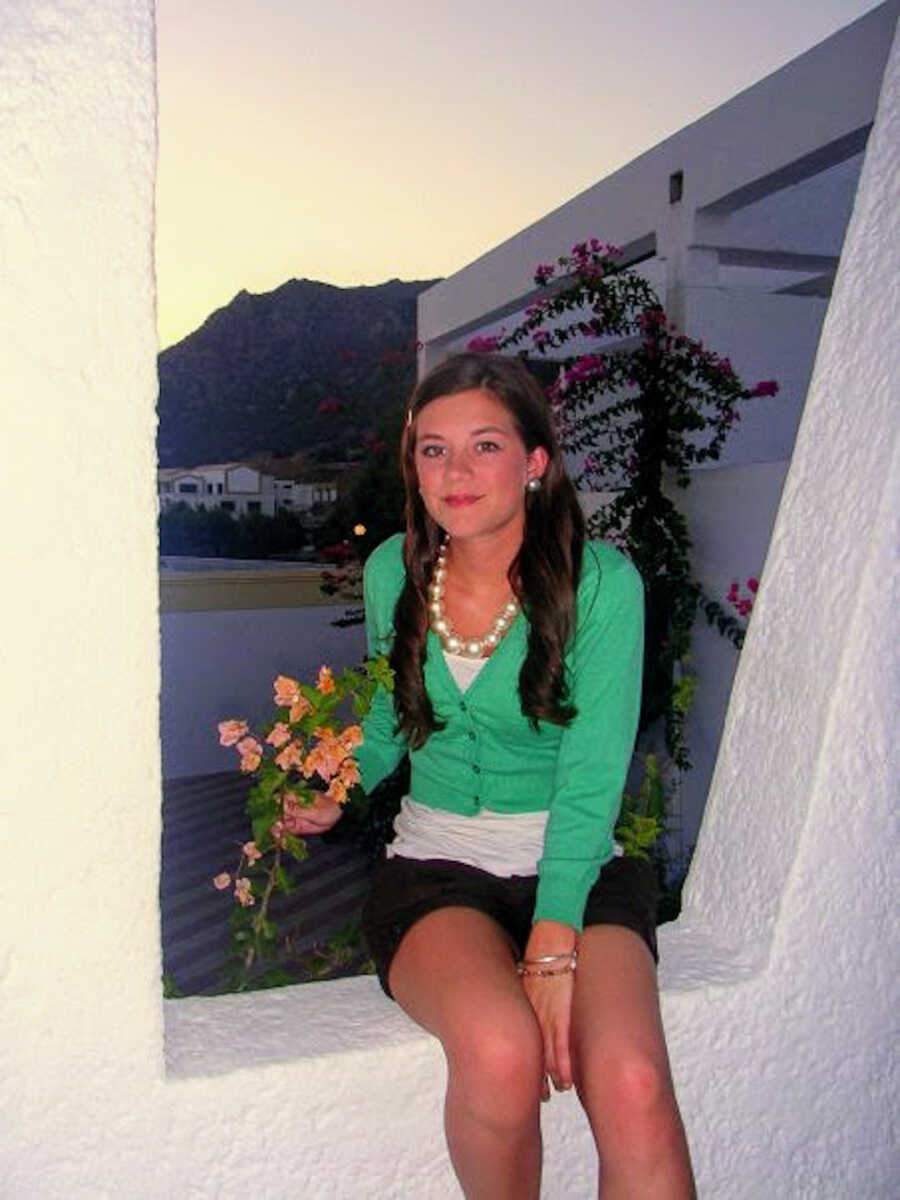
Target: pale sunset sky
<point>365,140</point>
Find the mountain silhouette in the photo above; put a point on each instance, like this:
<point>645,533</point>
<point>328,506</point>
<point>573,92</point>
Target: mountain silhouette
<point>307,368</point>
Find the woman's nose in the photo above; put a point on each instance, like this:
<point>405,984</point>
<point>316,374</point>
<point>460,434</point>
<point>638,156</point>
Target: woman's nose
<point>459,463</point>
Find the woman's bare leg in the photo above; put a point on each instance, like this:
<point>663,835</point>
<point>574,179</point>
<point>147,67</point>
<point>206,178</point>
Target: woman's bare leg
<point>622,1070</point>
<point>454,973</point>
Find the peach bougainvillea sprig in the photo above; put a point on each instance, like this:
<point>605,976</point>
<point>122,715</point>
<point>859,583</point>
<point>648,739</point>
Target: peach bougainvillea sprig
<point>305,754</point>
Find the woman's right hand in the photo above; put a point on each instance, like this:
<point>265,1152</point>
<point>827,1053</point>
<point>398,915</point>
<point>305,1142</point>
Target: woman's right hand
<point>317,818</point>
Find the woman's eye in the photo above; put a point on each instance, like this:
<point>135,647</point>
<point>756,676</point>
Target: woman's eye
<point>432,451</point>
<point>487,447</point>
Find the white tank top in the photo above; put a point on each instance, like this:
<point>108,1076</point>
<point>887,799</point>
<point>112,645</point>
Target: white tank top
<point>502,843</point>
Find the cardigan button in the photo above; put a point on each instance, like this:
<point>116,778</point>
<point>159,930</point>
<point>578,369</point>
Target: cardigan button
<point>476,768</point>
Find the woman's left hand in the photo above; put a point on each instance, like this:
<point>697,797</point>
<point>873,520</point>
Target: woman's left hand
<point>551,999</point>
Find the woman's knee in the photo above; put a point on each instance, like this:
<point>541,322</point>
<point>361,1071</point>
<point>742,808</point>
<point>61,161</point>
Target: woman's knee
<point>497,1066</point>
<point>630,1093</point>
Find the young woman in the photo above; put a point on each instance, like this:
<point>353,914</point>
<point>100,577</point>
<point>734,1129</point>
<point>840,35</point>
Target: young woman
<point>503,920</point>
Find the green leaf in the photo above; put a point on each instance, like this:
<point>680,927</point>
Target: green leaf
<point>262,825</point>
<point>274,977</point>
<point>262,805</point>
<point>296,847</point>
<point>271,778</point>
<point>171,990</point>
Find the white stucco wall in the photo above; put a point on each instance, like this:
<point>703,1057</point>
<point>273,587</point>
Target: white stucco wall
<point>800,833</point>
<point>778,1001</point>
<point>730,512</point>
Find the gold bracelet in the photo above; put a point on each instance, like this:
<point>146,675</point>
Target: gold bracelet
<point>524,969</point>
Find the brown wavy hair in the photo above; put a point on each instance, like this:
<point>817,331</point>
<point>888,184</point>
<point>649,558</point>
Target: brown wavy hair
<point>543,575</point>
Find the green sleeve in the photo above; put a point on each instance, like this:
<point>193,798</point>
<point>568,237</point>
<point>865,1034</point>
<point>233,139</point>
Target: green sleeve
<point>605,680</point>
<point>382,749</point>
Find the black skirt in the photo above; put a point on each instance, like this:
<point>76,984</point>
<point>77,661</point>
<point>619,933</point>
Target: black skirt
<point>406,889</point>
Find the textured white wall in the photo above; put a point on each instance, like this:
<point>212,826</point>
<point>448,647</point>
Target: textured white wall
<point>797,1093</point>
<point>80,779</point>
<point>730,512</point>
<point>777,1002</point>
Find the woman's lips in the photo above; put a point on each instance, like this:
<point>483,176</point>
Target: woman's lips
<point>460,500</point>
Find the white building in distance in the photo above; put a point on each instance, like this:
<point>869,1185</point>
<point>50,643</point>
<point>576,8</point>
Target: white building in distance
<point>240,489</point>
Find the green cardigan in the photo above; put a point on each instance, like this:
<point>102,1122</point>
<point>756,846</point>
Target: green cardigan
<point>488,756</point>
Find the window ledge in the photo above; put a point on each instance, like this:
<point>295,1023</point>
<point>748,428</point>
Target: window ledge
<point>693,957</point>
<point>214,1035</point>
<point>352,1018</point>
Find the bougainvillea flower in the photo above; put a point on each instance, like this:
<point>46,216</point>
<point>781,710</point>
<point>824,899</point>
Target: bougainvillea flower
<point>349,773</point>
<point>290,756</point>
<point>325,682</point>
<point>299,709</point>
<point>351,737</point>
<point>250,751</point>
<point>585,368</point>
<point>483,344</point>
<point>243,893</point>
<point>324,759</point>
<point>287,691</point>
<point>336,791</point>
<point>250,852</point>
<point>279,735</point>
<point>231,732</point>
<point>222,881</point>
<point>765,387</point>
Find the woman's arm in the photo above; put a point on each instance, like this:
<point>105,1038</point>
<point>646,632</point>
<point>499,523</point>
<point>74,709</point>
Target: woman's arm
<point>382,749</point>
<point>595,750</point>
<point>594,754</point>
<point>551,998</point>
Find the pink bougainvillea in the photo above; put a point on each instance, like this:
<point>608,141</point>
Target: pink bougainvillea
<point>483,344</point>
<point>765,387</point>
<point>742,604</point>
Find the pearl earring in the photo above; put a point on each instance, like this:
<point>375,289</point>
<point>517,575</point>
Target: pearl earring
<point>533,485</point>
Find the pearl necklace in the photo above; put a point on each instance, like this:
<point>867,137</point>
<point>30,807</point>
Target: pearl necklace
<point>440,622</point>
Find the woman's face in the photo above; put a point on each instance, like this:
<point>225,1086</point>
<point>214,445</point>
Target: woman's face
<point>472,465</point>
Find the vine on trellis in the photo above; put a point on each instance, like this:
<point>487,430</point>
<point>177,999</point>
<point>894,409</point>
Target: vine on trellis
<point>640,404</point>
